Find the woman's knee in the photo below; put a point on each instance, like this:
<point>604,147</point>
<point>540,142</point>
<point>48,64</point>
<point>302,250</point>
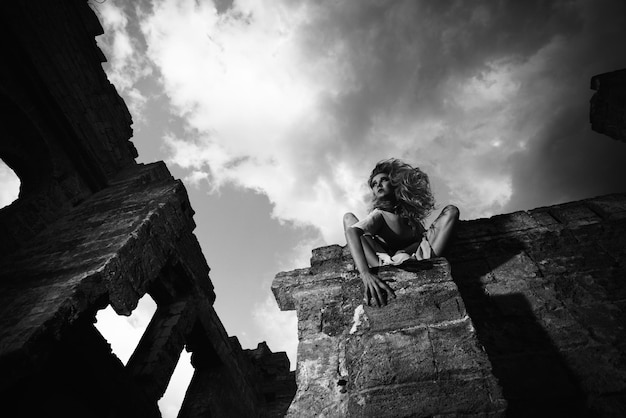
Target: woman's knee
<point>349,219</point>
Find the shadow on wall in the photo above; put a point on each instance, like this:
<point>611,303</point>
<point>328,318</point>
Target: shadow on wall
<point>496,285</point>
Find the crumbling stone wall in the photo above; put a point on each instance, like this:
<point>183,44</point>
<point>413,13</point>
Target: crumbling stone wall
<point>524,316</point>
<point>278,382</point>
<point>66,131</point>
<point>546,290</point>
<point>418,356</point>
<point>93,228</point>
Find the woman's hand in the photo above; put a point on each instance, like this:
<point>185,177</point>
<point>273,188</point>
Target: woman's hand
<point>375,289</point>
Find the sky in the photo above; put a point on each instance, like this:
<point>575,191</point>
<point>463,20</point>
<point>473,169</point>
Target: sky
<point>274,112</point>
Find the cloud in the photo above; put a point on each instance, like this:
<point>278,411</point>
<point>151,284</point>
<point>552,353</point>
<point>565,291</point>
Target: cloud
<point>298,100</point>
<point>126,65</point>
<point>563,159</point>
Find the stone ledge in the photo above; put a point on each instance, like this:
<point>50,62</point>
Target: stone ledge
<point>339,273</point>
<point>357,360</point>
<point>42,296</point>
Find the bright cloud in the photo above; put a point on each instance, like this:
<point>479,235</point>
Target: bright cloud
<point>126,63</point>
<point>279,100</point>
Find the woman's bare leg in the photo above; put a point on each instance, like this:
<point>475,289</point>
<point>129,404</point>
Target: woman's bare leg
<point>369,246</point>
<point>440,231</point>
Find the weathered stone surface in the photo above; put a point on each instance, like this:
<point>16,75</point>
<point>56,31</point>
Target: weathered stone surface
<point>528,317</point>
<point>457,353</point>
<point>321,378</point>
<point>541,297</point>
<point>93,228</point>
<point>390,358</point>
<point>474,397</point>
<point>356,360</point>
<point>430,304</point>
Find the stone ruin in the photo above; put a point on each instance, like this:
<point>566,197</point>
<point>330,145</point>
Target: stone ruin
<point>93,228</point>
<point>524,316</point>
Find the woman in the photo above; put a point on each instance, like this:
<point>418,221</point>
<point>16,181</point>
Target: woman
<point>393,232</point>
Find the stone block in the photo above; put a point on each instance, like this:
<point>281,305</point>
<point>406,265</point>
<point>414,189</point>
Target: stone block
<point>544,218</point>
<point>348,350</point>
<point>509,267</point>
<point>600,369</point>
<point>475,230</point>
<point>319,378</point>
<point>534,376</point>
<point>421,306</point>
<point>611,207</point>
<point>514,222</point>
<point>510,336</point>
<point>520,298</point>
<point>575,214</point>
<point>457,352</point>
<point>330,252</point>
<point>301,283</point>
<point>563,330</point>
<point>472,397</point>
<point>337,317</point>
<point>389,358</point>
<point>606,321</point>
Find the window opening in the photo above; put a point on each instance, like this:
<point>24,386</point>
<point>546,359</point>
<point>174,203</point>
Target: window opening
<point>174,395</point>
<point>124,332</point>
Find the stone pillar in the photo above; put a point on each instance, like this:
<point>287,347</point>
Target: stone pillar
<point>417,356</point>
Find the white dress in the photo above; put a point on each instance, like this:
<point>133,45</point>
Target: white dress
<point>377,227</point>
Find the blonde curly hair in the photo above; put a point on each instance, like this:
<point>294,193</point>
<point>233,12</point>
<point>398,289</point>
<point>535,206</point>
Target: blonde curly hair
<point>412,198</point>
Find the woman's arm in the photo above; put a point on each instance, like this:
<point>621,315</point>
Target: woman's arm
<point>375,289</point>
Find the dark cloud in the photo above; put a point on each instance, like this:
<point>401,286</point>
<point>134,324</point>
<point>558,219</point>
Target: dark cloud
<point>394,49</point>
<point>568,161</point>
<point>571,162</point>
<point>395,79</point>
<point>401,55</point>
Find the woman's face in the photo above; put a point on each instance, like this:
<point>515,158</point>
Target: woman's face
<point>381,185</point>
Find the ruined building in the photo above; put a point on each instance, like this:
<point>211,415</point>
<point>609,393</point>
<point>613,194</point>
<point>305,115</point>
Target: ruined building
<point>524,316</point>
<point>93,228</point>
